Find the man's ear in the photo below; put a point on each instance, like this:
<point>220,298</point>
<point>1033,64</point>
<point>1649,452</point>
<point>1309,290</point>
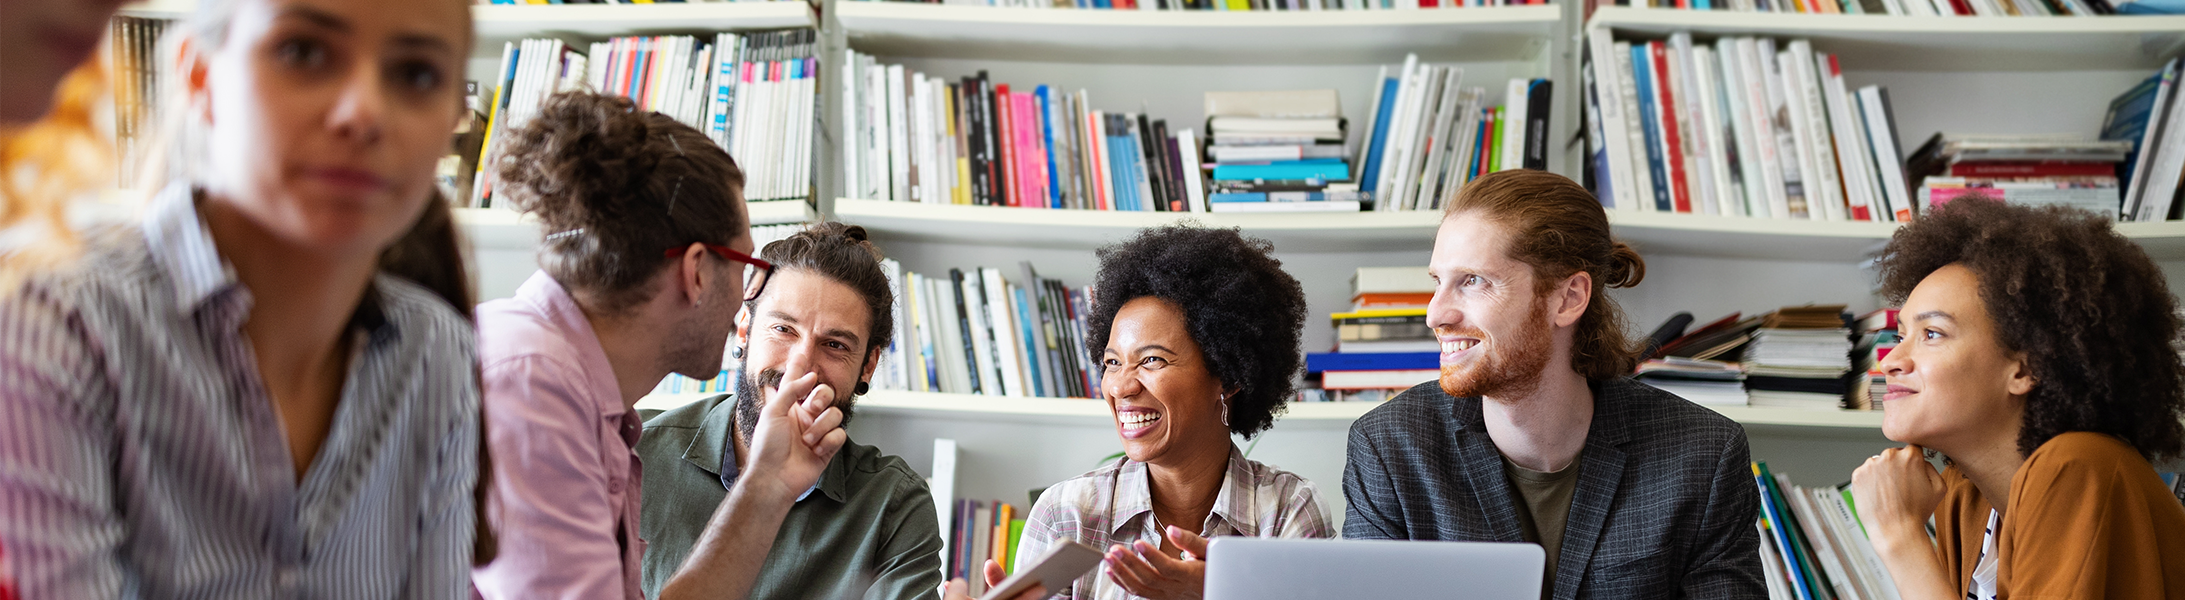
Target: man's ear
<point>691,276</point>
<point>1572,298</point>
<point>743,327</point>
<point>194,61</point>
<point>872,363</point>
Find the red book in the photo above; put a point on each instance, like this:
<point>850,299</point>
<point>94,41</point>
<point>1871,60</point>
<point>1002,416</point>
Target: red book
<point>2033,169</point>
<point>1674,153</point>
<point>1005,136</point>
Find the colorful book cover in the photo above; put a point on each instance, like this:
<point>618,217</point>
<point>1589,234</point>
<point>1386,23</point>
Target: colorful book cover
<point>1380,133</point>
<point>1642,75</point>
<point>1665,84</point>
<point>1047,137</point>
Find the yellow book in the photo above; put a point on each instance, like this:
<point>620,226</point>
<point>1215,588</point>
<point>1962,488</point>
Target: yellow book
<point>1379,312</point>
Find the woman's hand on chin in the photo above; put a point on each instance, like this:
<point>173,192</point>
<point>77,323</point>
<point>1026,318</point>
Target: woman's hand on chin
<point>1897,490</point>
<point>1142,569</point>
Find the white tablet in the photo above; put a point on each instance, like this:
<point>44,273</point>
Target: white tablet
<point>1062,564</point>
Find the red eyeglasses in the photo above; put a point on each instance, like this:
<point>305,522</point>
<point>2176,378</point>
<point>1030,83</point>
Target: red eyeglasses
<point>756,271</point>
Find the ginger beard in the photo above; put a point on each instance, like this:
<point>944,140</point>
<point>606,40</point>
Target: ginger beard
<point>1510,367</point>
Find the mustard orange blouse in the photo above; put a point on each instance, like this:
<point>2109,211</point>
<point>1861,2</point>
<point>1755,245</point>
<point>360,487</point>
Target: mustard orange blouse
<point>2088,519</point>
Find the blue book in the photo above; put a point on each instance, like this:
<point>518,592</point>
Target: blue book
<point>1316,362</point>
<point>1384,114</point>
<point>1032,352</point>
<point>1772,507</point>
<point>1124,187</point>
<point>1642,74</point>
<point>1237,197</point>
<point>1326,169</point>
<point>2130,114</point>
<point>1047,132</point>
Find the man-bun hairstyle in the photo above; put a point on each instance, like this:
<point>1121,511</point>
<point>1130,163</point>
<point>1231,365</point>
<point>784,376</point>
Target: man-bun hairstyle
<point>845,254</point>
<point>1560,229</point>
<point>616,188</point>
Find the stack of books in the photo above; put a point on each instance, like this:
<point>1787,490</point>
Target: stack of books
<point>753,93</point>
<point>1701,365</point>
<point>1383,344</point>
<point>976,331</point>
<point>1813,544</point>
<point>2036,170</point>
<point>1877,336</point>
<point>1800,358</point>
<point>2151,119</point>
<point>970,140</point>
<point>1738,128</point>
<point>1429,134</point>
<point>1278,151</point>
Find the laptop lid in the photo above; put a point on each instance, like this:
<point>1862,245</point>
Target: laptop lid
<point>1243,568</point>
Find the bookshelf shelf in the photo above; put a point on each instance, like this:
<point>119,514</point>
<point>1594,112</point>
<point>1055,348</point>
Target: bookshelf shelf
<point>1084,411</point>
<point>1901,43</point>
<point>510,21</point>
<point>505,229</point>
<point>1198,37</point>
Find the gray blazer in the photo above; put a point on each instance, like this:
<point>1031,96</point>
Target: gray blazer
<point>1665,506</point>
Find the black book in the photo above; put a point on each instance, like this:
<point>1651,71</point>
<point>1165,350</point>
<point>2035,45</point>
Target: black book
<point>974,144</point>
<point>1072,348</point>
<point>1536,124</point>
<point>995,184</point>
<point>1151,157</point>
<point>963,324</point>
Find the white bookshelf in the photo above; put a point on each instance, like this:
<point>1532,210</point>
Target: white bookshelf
<point>1899,43</point>
<point>1148,37</point>
<point>512,21</point>
<point>1082,411</point>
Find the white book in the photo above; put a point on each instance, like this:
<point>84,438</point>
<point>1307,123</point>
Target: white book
<point>1002,323</point>
<point>945,140</point>
<point>1789,154</point>
<point>1817,538</point>
<point>1824,188</point>
<point>1876,573</point>
<point>1427,99</point>
<point>917,102</point>
<point>943,487</point>
<point>1438,139</point>
<point>1691,125</point>
<point>982,358</point>
<point>1751,200</point>
<point>1822,502</point>
<point>894,370</point>
<point>1608,83</point>
<point>948,352</point>
<point>744,95</point>
<point>1771,565</point>
<point>853,129</point>
<point>1715,127</point>
<point>2165,90</point>
<point>1474,103</point>
<point>1187,149</point>
<point>1513,111</point>
<point>1396,150</point>
<point>1385,177</point>
<point>596,75</point>
<point>2164,170</point>
<point>1765,149</point>
<point>898,137</point>
<point>1881,134</point>
<point>1642,178</point>
<point>1855,156</point>
<point>879,160</point>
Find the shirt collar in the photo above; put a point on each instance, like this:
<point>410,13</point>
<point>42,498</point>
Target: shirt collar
<point>179,243</point>
<point>552,302</point>
<point>1232,505</point>
<point>714,450</point>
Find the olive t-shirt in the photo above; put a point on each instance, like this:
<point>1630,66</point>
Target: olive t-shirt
<point>1545,502</point>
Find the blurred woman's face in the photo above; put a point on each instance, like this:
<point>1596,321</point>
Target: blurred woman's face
<point>1166,403</point>
<point>1952,384</point>
<point>324,117</point>
<point>40,42</point>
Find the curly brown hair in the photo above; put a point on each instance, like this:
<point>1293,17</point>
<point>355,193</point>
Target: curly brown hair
<point>1559,229</point>
<point>1244,311</point>
<point>2090,310</point>
<point>615,187</point>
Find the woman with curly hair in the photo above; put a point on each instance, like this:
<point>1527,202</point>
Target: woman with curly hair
<point>1197,334</point>
<point>2037,358</point>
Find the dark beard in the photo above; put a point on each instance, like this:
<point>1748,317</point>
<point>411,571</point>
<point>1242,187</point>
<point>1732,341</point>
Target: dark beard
<point>750,396</point>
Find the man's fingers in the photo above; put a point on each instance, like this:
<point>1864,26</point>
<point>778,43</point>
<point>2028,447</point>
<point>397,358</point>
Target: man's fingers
<point>819,400</point>
<point>827,447</point>
<point>792,391</point>
<point>818,429</point>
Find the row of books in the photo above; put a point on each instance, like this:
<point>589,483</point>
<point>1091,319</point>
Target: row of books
<point>139,78</point>
<point>1914,8</point>
<point>915,138</point>
<point>2152,119</point>
<point>754,93</point>
<point>1813,545</point>
<point>1739,128</point>
<point>1228,5</point>
<point>982,530</point>
<point>974,331</point>
<point>1429,134</point>
<point>1800,357</point>
<point>1279,151</point>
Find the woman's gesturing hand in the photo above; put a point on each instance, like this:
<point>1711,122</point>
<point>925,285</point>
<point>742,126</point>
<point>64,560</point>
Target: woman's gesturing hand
<point>1144,570</point>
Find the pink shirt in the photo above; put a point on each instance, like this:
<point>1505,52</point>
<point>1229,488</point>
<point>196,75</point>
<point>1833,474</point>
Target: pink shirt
<point>566,475</point>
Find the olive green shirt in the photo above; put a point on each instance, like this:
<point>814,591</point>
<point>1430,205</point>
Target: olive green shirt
<point>868,530</point>
<point>1545,502</point>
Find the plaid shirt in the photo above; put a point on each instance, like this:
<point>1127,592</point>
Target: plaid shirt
<point>1114,505</point>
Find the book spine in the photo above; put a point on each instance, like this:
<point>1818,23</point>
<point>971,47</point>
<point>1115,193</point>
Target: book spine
<point>1651,122</point>
<point>1673,148</point>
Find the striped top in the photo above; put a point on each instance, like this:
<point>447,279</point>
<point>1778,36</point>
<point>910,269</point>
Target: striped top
<point>140,455</point>
<point>1114,505</point>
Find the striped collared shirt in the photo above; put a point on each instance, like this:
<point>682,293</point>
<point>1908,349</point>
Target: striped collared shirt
<point>1114,505</point>
<point>141,456</point>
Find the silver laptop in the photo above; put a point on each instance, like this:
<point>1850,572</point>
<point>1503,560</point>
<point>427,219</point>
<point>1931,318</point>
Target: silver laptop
<point>1242,568</point>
